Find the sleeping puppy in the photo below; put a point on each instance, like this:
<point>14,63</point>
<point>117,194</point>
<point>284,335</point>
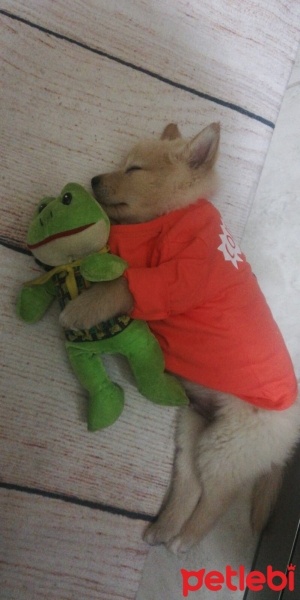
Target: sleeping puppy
<point>191,282</point>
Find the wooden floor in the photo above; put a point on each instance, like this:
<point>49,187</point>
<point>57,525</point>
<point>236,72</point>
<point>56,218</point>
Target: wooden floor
<point>80,83</point>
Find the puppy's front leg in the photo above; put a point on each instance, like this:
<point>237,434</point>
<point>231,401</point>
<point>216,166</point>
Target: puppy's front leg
<point>99,303</point>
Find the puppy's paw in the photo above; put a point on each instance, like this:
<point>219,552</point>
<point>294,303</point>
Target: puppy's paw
<point>67,319</point>
<point>180,544</point>
<point>158,533</point>
<point>99,303</point>
<point>77,314</point>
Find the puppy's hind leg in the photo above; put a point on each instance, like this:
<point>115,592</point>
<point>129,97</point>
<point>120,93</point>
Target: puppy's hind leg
<point>218,492</point>
<point>185,489</point>
<point>240,446</point>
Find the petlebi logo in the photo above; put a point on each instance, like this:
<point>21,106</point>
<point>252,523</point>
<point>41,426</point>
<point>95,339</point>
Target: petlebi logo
<point>230,249</point>
<point>238,580</point>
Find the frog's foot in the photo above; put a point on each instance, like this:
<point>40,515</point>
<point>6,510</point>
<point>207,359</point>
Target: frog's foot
<point>105,406</point>
<point>165,390</point>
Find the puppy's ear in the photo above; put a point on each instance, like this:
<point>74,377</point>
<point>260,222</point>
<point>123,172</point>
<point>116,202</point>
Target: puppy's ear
<point>171,132</point>
<point>202,149</point>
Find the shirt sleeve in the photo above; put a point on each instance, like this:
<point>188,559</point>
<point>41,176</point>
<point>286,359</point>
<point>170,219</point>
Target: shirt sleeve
<point>174,286</point>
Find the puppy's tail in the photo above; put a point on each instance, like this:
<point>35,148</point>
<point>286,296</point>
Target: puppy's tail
<point>264,496</point>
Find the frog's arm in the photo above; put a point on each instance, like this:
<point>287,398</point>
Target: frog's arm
<point>102,267</point>
<point>33,301</point>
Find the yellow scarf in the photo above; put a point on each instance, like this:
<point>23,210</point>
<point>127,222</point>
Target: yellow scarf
<point>70,278</point>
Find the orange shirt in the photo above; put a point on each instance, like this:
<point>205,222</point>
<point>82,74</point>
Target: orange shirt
<point>193,285</point>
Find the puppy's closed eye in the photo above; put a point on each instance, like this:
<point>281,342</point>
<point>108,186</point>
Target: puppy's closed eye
<point>133,168</point>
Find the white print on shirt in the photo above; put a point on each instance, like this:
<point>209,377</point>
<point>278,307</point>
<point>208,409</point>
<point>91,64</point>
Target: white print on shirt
<point>229,248</point>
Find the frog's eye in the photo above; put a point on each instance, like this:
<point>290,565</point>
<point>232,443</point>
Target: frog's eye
<point>42,206</point>
<point>67,198</point>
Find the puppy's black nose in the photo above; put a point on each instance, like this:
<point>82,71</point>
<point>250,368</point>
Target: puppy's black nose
<point>95,181</point>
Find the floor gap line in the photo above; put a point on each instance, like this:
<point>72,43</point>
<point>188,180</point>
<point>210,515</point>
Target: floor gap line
<point>93,505</point>
<point>157,76</point>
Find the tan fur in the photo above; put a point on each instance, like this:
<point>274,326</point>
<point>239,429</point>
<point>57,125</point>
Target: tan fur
<point>221,441</point>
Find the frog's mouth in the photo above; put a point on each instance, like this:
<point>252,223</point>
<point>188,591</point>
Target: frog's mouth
<point>56,236</point>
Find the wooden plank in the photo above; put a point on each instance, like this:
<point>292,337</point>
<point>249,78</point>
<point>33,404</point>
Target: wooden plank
<point>50,549</point>
<point>68,114</point>
<point>44,442</point>
<point>241,54</point>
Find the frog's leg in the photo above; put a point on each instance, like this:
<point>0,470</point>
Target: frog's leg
<point>106,399</point>
<point>146,359</point>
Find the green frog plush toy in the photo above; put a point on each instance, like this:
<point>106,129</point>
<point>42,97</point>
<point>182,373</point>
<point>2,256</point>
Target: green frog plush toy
<point>68,235</point>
